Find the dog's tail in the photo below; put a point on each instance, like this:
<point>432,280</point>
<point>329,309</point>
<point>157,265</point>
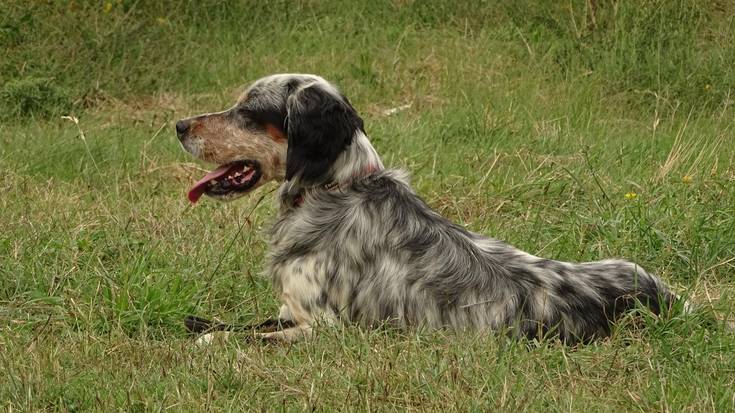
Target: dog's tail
<point>686,306</point>
<point>707,314</point>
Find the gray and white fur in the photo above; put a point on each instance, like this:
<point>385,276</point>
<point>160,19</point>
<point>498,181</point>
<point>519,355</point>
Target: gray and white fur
<point>354,243</point>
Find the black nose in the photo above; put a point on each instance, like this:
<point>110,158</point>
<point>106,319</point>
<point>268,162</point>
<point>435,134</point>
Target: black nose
<point>182,127</point>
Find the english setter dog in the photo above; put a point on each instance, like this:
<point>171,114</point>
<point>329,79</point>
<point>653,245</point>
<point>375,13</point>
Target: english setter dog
<point>353,242</point>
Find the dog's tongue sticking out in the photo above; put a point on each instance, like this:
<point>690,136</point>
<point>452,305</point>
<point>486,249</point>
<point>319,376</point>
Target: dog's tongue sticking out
<point>198,189</point>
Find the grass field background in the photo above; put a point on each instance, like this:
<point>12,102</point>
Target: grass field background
<point>570,134</point>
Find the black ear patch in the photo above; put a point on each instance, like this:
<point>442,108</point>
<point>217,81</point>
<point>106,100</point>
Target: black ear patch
<point>320,127</point>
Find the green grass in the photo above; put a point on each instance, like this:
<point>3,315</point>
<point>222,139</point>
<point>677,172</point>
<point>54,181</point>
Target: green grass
<point>528,122</point>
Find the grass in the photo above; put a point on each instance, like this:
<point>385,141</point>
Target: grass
<point>570,137</point>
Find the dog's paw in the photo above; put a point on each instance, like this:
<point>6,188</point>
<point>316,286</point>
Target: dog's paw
<point>217,337</point>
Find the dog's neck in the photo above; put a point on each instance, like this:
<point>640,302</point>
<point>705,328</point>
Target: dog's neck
<point>359,160</point>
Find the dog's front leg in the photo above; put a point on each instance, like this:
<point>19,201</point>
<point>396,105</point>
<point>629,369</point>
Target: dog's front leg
<point>305,311</point>
<point>210,331</point>
<point>198,325</point>
<point>288,335</point>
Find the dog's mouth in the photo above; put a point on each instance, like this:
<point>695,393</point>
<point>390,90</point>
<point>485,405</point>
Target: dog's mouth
<point>226,180</point>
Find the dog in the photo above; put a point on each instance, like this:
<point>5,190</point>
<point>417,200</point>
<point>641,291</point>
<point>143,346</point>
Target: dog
<point>353,242</point>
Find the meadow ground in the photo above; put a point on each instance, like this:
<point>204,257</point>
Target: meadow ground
<point>570,134</point>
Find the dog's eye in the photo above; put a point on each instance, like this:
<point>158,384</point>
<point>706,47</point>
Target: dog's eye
<point>248,123</point>
<point>245,119</point>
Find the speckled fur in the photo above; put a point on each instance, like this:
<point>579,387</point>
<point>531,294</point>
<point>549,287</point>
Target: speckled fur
<point>372,252</point>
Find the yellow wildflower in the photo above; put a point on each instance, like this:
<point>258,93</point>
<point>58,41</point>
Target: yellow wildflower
<point>687,179</point>
<point>631,195</point>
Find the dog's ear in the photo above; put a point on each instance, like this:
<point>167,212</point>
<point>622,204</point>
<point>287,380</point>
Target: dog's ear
<point>320,125</point>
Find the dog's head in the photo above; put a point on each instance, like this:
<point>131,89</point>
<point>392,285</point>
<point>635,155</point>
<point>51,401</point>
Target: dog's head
<point>286,126</point>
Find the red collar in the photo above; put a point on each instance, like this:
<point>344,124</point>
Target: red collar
<point>369,170</point>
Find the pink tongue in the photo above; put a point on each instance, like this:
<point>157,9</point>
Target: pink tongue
<point>198,189</point>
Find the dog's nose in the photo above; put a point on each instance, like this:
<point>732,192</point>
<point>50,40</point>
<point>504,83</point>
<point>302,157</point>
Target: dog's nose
<point>182,127</point>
